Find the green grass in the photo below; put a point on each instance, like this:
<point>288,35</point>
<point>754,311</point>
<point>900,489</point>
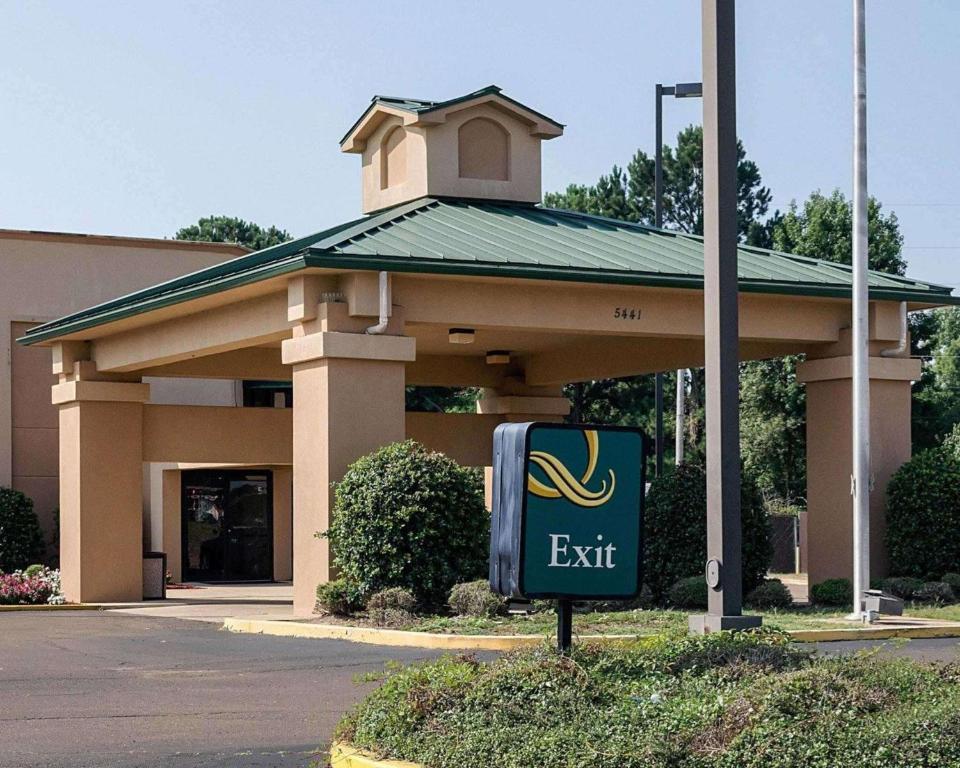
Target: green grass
<point>638,622</point>
<point>741,700</point>
<point>942,612</point>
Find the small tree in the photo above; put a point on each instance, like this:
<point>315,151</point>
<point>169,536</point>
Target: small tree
<point>21,540</point>
<point>407,517</point>
<point>675,530</point>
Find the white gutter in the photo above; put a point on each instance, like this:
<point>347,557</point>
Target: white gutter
<point>901,347</point>
<point>375,330</point>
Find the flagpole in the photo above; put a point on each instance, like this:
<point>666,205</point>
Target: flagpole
<point>860,485</point>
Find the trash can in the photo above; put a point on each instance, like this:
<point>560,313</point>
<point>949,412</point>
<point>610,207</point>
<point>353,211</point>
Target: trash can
<point>154,575</point>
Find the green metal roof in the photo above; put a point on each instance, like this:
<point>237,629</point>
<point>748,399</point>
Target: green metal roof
<point>422,106</point>
<point>469,237</point>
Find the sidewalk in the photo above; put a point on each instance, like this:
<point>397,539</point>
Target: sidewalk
<point>216,602</point>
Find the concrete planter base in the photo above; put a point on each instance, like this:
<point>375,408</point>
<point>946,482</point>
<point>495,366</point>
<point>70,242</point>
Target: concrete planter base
<point>908,629</point>
<point>345,756</point>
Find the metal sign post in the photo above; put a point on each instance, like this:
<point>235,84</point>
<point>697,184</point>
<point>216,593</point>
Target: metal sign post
<point>567,519</point>
<point>564,625</point>
<point>721,323</point>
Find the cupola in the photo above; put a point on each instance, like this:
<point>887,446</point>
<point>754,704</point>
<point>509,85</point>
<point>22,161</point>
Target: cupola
<point>483,145</point>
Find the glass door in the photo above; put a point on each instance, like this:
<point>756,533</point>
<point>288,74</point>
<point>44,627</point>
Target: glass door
<point>227,525</point>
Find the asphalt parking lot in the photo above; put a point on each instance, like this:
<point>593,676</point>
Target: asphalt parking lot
<point>114,690</point>
<point>97,689</point>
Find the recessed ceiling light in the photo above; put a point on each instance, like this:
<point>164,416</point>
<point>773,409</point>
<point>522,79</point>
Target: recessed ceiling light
<point>498,357</point>
<point>461,335</point>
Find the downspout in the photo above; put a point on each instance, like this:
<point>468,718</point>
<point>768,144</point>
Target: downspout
<point>375,330</point>
<point>901,347</point>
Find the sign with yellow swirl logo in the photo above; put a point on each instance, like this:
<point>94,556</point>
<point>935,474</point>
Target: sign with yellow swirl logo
<point>567,511</point>
<point>564,484</point>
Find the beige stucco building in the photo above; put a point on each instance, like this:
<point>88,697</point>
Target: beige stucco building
<point>45,275</point>
<point>456,277</point>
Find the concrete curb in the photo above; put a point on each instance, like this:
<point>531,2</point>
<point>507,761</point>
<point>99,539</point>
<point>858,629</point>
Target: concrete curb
<point>345,756</point>
<point>46,607</point>
<point>875,633</point>
<point>434,641</point>
<point>393,637</point>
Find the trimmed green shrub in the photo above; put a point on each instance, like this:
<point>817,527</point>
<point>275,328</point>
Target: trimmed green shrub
<point>771,594</point>
<point>690,592</point>
<point>953,579</point>
<point>675,530</point>
<point>391,607</point>
<point>475,598</point>
<point>643,601</point>
<point>935,593</point>
<point>407,517</point>
<point>726,700</point>
<point>336,598</point>
<point>923,501</point>
<point>33,570</point>
<point>835,593</point>
<point>903,587</point>
<point>21,540</point>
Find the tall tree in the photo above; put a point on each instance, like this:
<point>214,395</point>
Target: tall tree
<point>629,196</point>
<point>822,227</point>
<point>229,229</point>
<point>772,428</point>
<point>935,336</point>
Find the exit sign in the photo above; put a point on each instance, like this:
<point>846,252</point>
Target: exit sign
<point>567,511</point>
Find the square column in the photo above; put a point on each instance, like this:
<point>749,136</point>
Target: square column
<point>348,400</point>
<point>518,403</point>
<point>827,546</point>
<point>101,489</point>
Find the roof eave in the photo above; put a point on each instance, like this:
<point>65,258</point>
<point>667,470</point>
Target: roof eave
<point>331,258</point>
<point>328,259</point>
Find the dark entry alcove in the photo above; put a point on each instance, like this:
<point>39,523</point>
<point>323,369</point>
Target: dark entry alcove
<point>227,525</point>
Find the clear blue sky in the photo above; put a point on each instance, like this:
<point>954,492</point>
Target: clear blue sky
<point>137,118</point>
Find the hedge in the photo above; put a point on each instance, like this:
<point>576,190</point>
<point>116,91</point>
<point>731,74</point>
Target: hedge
<point>727,700</point>
<point>923,514</point>
<point>675,530</point>
<point>21,540</point>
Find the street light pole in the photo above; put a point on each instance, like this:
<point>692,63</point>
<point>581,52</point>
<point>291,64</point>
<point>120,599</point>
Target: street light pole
<point>658,221</point>
<point>721,323</point>
<point>679,91</point>
<point>860,486</point>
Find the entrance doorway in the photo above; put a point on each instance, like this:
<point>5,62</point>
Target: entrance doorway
<point>227,525</point>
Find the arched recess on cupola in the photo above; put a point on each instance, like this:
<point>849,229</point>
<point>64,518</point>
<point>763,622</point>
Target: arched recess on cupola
<point>393,158</point>
<point>484,150</point>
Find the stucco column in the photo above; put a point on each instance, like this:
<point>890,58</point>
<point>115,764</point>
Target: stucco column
<point>101,489</point>
<point>517,403</point>
<point>348,400</point>
<point>827,547</point>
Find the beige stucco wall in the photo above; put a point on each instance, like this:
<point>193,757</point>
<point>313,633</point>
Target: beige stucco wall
<point>431,159</point>
<point>45,276</point>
